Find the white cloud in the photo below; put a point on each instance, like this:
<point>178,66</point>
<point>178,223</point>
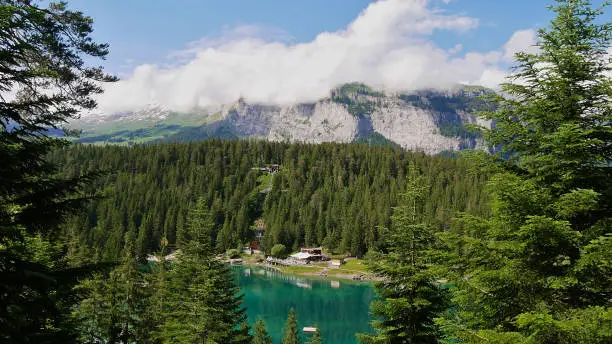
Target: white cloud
<point>8,95</point>
<point>523,40</point>
<point>238,33</point>
<point>386,46</point>
<point>456,49</point>
<point>492,77</point>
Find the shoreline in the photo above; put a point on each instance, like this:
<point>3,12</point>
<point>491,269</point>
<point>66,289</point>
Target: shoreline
<point>308,272</point>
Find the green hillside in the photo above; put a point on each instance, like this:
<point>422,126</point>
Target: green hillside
<point>336,195</point>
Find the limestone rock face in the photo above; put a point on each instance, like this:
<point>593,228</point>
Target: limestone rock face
<point>323,121</point>
<point>429,121</point>
<point>250,120</point>
<point>412,128</point>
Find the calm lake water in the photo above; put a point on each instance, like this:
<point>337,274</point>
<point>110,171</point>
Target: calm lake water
<point>339,309</point>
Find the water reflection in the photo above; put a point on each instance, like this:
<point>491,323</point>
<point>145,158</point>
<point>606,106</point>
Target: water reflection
<point>339,312</point>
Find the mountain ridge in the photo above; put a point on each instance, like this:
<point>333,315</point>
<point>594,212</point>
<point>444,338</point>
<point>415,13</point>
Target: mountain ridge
<point>432,121</point>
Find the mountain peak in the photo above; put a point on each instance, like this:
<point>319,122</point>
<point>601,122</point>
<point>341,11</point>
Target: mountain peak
<point>427,120</point>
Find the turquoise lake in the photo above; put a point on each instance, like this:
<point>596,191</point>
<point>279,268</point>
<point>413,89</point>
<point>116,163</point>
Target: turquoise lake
<point>338,308</point>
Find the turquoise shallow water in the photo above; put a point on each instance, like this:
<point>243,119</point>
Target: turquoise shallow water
<point>339,309</point>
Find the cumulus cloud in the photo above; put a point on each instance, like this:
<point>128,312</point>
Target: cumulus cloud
<point>387,46</point>
<point>456,49</point>
<point>520,41</point>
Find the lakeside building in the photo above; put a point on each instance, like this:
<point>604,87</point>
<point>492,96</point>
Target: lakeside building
<point>309,255</point>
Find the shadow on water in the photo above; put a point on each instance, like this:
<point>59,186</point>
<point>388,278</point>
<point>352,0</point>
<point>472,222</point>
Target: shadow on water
<point>338,308</point>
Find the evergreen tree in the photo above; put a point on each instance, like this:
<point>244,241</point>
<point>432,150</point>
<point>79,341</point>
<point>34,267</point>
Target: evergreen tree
<point>536,270</point>
<point>325,212</point>
<point>201,302</point>
<point>155,316</point>
<point>116,304</point>
<point>316,338</point>
<point>43,53</point>
<point>243,335</point>
<point>260,335</point>
<point>291,333</point>
<point>410,296</point>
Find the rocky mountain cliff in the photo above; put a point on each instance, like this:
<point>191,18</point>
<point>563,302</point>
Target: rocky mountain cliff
<point>431,121</point>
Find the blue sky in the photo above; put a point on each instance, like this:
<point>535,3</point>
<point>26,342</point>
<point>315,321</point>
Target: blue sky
<point>146,31</point>
<point>186,54</point>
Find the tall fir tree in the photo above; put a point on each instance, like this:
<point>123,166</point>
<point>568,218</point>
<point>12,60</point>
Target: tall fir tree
<point>43,53</point>
<point>202,302</point>
<point>157,281</point>
<point>316,338</point>
<point>291,333</point>
<point>260,333</point>
<point>116,304</point>
<point>410,297</point>
<point>536,270</point>
<point>243,334</point>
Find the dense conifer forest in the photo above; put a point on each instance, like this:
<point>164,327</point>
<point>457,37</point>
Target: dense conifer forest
<point>335,195</point>
<point>506,248</point>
